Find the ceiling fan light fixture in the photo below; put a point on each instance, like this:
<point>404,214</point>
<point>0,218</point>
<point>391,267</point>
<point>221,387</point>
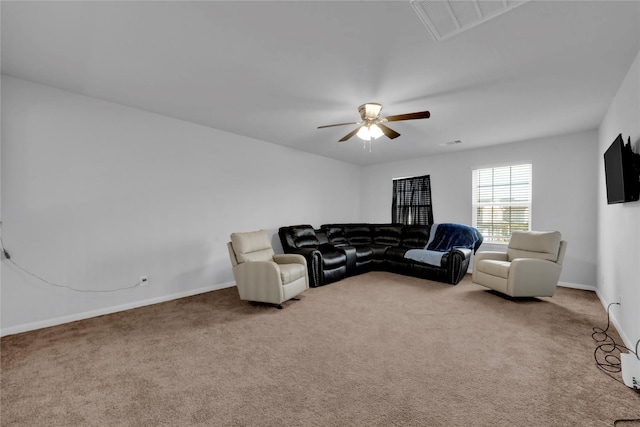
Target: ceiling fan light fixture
<point>369,132</point>
<point>375,132</point>
<point>364,133</point>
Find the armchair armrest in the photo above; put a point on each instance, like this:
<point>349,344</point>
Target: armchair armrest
<point>264,273</point>
<point>290,259</point>
<point>492,255</point>
<point>263,269</point>
<point>498,256</point>
<point>313,259</point>
<point>308,253</point>
<point>533,276</point>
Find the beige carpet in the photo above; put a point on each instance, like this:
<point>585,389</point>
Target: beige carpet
<point>373,350</point>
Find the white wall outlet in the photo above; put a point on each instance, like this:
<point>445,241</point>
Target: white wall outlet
<point>144,281</point>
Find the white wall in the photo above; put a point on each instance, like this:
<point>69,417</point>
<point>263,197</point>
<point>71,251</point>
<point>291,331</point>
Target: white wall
<point>564,191</point>
<point>619,224</point>
<point>96,194</point>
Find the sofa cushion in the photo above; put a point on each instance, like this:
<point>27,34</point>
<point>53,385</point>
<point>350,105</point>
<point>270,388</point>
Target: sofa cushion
<point>335,234</point>
<point>303,236</point>
<point>333,259</point>
<point>534,244</point>
<point>395,253</point>
<point>388,235</point>
<point>378,251</point>
<point>358,234</point>
<point>415,236</point>
<point>363,253</point>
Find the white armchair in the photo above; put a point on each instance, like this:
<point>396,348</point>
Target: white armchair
<point>263,276</point>
<point>530,268</point>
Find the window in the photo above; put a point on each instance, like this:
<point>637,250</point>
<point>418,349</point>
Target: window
<point>412,201</point>
<point>502,201</point>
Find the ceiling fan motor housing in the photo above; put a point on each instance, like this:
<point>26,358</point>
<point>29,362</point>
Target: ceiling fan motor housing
<point>370,111</point>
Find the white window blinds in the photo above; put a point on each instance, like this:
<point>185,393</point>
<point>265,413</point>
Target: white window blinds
<point>502,201</point>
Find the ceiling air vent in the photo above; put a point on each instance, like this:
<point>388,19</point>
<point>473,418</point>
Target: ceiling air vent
<point>457,141</point>
<point>447,18</point>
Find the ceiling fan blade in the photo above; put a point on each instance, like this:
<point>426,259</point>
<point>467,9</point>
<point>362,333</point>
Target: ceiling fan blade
<point>350,134</point>
<point>390,133</point>
<point>408,116</point>
<point>338,124</point>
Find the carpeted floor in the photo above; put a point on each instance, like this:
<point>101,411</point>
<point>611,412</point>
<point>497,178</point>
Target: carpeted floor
<point>373,350</point>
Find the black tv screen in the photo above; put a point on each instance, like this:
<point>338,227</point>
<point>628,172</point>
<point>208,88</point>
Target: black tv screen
<point>621,176</point>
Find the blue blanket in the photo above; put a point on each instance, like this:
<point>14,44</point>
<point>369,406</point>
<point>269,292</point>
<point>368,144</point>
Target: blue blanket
<point>443,238</point>
<point>450,236</point>
<point>424,256</point>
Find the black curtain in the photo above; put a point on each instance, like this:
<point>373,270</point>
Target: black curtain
<point>412,201</point>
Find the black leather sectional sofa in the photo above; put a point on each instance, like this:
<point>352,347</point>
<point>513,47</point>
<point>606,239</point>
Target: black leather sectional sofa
<point>336,251</point>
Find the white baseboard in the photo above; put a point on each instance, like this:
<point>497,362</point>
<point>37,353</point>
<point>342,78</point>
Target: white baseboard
<point>577,286</point>
<point>115,309</point>
<point>108,310</point>
<point>614,320</point>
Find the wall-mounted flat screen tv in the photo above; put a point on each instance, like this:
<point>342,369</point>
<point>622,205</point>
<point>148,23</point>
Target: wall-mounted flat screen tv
<point>622,172</point>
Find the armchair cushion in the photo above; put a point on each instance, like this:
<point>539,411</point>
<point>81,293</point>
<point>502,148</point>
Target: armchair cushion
<point>495,267</point>
<point>252,246</point>
<point>534,244</point>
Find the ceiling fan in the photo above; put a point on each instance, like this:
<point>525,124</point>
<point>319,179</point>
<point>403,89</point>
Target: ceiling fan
<point>372,125</point>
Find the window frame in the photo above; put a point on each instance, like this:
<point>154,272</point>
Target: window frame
<point>424,201</point>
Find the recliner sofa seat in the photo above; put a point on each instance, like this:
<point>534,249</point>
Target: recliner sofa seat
<point>367,247</point>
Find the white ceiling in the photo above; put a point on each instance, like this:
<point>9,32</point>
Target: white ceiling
<point>276,70</point>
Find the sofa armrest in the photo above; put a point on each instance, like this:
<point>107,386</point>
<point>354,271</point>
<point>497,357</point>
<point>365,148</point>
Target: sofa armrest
<point>466,253</point>
<point>457,263</point>
<point>350,253</point>
<point>462,253</point>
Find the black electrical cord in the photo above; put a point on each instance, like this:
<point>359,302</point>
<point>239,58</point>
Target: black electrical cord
<point>607,353</point>
<point>7,257</point>
<point>622,422</point>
